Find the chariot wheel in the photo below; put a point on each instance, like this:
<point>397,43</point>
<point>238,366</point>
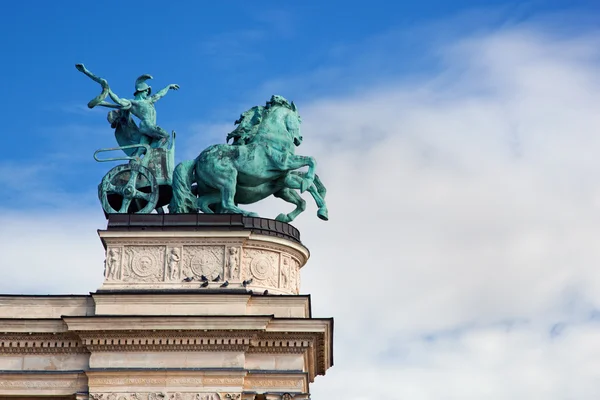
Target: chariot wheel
<point>128,188</point>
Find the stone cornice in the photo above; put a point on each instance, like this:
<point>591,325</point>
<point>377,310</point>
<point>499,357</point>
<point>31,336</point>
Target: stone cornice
<point>27,325</point>
<point>167,322</point>
<point>51,306</point>
<point>300,325</point>
<point>41,343</point>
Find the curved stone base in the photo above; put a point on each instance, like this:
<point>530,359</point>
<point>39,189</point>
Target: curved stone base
<point>148,256</point>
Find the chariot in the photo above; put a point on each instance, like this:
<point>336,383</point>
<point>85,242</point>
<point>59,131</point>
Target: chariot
<point>141,185</point>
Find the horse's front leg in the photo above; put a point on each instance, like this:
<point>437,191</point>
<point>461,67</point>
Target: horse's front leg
<point>294,162</point>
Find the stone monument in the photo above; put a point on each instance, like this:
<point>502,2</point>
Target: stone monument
<point>200,303</point>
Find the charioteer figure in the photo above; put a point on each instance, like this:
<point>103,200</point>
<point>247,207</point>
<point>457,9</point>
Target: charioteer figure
<point>127,132</point>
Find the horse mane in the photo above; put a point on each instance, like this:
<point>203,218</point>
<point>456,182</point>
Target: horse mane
<point>249,121</point>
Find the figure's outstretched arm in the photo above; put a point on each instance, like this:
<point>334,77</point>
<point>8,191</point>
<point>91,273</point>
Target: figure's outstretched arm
<point>123,103</point>
<point>99,100</point>
<point>161,93</point>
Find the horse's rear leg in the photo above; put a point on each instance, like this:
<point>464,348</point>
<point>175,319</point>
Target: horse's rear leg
<point>291,196</point>
<point>227,186</point>
<point>206,200</point>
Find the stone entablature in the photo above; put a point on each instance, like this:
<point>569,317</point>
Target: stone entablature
<point>148,334</point>
<point>256,343</point>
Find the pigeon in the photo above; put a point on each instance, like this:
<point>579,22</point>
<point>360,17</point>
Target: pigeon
<point>188,279</point>
<point>225,284</point>
<point>217,279</point>
<point>204,284</point>
<point>246,283</point>
<point>266,292</point>
<point>203,278</point>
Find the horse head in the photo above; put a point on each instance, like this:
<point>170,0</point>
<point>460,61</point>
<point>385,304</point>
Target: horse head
<point>291,118</point>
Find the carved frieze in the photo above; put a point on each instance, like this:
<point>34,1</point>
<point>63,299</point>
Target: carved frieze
<point>211,381</point>
<point>265,383</point>
<point>231,396</point>
<point>156,396</point>
<point>179,262</point>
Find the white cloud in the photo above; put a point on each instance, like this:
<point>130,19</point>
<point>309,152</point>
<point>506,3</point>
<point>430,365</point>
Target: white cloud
<point>465,211</point>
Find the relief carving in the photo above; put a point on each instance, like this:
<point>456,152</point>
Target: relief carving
<point>295,276</point>
<point>233,263</point>
<point>285,273</point>
<point>262,265</point>
<point>173,259</point>
<point>144,263</point>
<point>203,260</point>
<point>113,264</point>
<point>194,396</point>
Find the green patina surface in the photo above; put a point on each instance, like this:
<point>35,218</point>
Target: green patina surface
<point>260,162</point>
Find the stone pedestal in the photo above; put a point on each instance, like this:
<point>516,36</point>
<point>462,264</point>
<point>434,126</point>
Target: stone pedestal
<point>202,307</point>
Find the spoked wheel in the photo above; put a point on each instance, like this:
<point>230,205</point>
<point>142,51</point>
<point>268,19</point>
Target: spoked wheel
<point>127,189</point>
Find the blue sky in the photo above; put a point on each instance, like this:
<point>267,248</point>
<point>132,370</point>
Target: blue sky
<point>226,56</point>
<point>458,141</point>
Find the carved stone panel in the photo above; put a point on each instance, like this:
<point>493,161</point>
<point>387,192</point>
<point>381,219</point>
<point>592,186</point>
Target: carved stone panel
<point>262,266</point>
<point>144,264</point>
<point>295,276</point>
<point>173,265</point>
<point>285,269</point>
<point>112,263</point>
<point>203,260</point>
<point>232,264</point>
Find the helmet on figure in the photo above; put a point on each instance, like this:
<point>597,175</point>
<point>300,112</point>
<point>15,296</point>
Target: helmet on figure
<point>141,85</point>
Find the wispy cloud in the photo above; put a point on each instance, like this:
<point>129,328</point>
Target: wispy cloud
<point>460,261</point>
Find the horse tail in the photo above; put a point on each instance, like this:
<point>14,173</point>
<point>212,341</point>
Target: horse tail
<point>317,182</point>
<point>183,200</point>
